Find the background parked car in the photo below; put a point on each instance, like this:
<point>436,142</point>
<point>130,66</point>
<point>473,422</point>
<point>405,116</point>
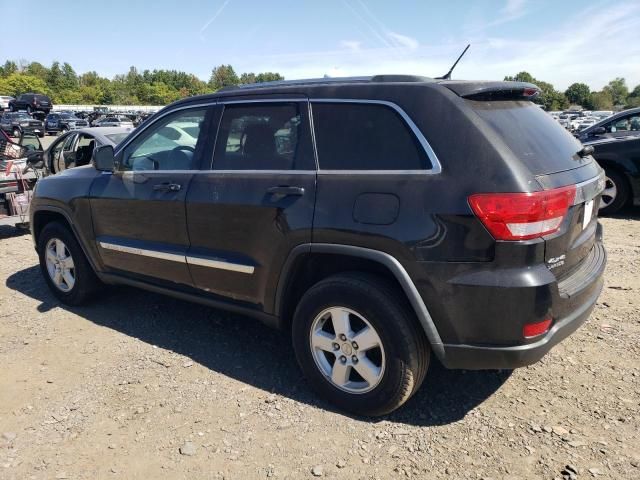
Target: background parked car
<point>31,102</point>
<point>63,122</point>
<point>621,124</point>
<point>113,121</point>
<point>4,102</point>
<point>74,148</point>
<point>620,158</point>
<point>16,123</point>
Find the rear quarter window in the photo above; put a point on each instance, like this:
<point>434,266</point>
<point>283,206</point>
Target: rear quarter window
<point>531,134</point>
<point>361,136</point>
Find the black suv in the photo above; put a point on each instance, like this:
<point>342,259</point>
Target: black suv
<point>377,219</point>
<point>63,122</point>
<point>31,102</point>
<point>17,123</point>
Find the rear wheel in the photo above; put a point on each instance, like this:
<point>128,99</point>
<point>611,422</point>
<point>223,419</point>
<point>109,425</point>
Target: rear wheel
<point>615,194</point>
<point>64,265</point>
<point>359,345</point>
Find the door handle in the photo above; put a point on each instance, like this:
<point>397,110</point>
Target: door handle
<point>286,190</point>
<point>167,187</point>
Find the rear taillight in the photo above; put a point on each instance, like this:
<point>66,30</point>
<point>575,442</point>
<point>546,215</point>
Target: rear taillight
<point>522,216</point>
<point>534,329</point>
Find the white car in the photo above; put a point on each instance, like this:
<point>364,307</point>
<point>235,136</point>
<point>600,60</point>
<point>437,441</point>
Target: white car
<point>4,102</point>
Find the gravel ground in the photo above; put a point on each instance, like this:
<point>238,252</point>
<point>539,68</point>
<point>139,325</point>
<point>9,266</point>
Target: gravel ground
<point>143,386</point>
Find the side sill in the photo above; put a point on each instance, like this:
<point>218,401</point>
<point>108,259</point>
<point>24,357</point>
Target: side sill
<point>113,279</point>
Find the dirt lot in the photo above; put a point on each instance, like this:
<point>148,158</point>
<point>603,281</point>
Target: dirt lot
<point>142,386</point>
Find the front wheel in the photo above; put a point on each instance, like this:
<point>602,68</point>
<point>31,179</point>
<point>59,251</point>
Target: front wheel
<point>64,265</point>
<point>359,344</point>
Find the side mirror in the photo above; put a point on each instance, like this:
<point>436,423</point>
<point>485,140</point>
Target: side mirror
<point>103,158</point>
<point>598,131</point>
<point>35,159</point>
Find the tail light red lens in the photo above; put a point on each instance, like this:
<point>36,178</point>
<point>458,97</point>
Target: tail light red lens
<point>534,329</point>
<point>522,216</point>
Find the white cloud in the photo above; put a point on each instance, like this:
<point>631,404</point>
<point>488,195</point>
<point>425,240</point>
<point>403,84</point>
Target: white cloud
<point>351,45</point>
<point>594,53</point>
<point>403,40</point>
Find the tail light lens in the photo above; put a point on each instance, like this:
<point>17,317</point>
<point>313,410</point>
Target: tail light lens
<point>522,216</point>
<point>534,329</point>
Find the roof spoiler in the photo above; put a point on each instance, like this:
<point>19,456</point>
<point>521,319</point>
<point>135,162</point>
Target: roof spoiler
<point>493,90</point>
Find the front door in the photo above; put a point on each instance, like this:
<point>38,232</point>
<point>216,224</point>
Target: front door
<point>139,210</point>
<point>256,203</point>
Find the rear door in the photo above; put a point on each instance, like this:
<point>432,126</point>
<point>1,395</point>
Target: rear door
<point>257,201</point>
<point>139,211</point>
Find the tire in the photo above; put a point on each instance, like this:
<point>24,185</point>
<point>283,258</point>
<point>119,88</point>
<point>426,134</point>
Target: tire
<point>402,358</point>
<point>615,194</point>
<point>41,134</point>
<point>85,282</point>
<point>15,132</point>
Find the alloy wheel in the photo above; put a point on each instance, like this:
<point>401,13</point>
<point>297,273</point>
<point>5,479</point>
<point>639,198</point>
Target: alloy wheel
<point>60,265</point>
<point>347,350</point>
<point>609,193</point>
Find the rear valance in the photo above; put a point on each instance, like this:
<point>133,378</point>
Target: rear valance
<point>493,90</point>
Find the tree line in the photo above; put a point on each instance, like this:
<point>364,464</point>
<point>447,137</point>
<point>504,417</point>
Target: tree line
<point>149,87</point>
<point>160,87</point>
<point>614,95</point>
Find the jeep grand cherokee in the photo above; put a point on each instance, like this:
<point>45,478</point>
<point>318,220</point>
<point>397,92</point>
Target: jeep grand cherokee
<point>379,220</point>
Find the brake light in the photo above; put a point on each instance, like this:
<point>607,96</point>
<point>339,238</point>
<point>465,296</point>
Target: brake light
<point>534,329</point>
<point>522,216</point>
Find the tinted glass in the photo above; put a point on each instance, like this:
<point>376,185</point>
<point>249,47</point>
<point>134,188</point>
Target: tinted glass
<point>117,137</point>
<point>531,134</point>
<point>164,145</point>
<point>353,136</point>
<point>262,137</point>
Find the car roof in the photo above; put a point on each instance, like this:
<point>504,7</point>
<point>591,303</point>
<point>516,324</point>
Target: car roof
<point>102,133</point>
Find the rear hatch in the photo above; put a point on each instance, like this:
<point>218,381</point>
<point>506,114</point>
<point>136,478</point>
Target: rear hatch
<point>554,158</point>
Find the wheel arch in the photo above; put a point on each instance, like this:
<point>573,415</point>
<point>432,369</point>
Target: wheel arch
<point>47,214</point>
<point>309,263</point>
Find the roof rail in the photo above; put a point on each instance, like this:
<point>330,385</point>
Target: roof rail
<point>329,80</point>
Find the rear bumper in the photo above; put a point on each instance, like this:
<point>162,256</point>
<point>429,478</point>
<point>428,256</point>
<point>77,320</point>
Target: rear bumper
<point>472,357</point>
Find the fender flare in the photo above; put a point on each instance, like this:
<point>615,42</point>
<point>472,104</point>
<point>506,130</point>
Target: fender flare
<point>74,230</point>
<point>388,261</point>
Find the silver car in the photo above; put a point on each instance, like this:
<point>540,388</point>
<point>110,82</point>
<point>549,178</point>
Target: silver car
<point>75,148</point>
<point>114,121</point>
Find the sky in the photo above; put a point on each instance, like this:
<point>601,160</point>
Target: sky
<point>558,41</point>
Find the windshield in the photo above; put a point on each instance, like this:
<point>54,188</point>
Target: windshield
<point>531,134</point>
<point>21,116</point>
<point>68,115</point>
<point>117,137</point>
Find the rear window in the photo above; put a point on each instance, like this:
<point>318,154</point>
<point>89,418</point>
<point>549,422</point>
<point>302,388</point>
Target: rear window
<point>531,134</point>
<point>355,136</point>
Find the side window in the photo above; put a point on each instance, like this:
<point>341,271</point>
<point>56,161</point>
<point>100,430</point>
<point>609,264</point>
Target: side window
<point>263,136</point>
<point>625,124</point>
<point>360,136</point>
<point>168,144</point>
<point>68,143</point>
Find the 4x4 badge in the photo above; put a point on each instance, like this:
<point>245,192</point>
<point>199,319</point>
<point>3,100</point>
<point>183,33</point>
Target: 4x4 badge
<point>555,262</point>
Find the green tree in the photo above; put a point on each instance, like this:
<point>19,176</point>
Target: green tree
<point>601,100</point>
<point>37,70</point>
<point>618,90</point>
<point>247,78</point>
<point>8,68</point>
<point>19,83</point>
<point>223,76</point>
<point>579,94</point>
<point>268,77</point>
